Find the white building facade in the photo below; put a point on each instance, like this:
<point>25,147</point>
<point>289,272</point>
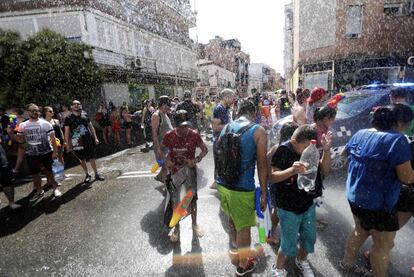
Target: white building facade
<point>160,65</point>
<point>213,78</point>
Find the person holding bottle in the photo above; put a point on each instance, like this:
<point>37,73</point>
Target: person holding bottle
<point>296,207</point>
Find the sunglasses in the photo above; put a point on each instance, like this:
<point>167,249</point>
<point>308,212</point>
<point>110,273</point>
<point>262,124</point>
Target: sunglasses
<point>76,104</point>
<point>34,111</point>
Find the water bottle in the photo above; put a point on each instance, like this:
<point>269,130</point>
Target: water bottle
<point>310,158</point>
<point>58,170</point>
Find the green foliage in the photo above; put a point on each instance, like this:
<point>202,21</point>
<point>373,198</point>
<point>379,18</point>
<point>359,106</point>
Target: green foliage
<point>50,70</point>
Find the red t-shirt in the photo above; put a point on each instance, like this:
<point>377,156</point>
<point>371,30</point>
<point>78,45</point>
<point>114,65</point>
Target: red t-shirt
<point>181,148</point>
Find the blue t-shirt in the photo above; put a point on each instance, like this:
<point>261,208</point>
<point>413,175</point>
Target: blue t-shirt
<point>248,154</point>
<point>372,181</point>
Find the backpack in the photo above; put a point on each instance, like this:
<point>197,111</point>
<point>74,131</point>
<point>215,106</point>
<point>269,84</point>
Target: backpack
<point>227,155</point>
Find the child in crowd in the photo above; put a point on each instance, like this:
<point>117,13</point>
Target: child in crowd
<point>286,133</point>
<point>324,118</point>
<point>296,208</point>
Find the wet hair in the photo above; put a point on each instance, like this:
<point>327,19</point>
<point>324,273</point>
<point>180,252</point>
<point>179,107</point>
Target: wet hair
<point>402,113</point>
<point>383,118</point>
<point>287,131</point>
<point>45,109</point>
<point>324,112</point>
<point>246,108</point>
<point>399,93</point>
<point>302,95</point>
<point>28,106</point>
<point>304,133</point>
<point>226,93</point>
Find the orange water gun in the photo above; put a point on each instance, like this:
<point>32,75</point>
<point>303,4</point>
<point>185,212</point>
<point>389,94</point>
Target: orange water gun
<point>181,210</point>
<point>333,102</point>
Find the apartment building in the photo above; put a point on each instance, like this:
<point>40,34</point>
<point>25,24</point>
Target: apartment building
<point>228,55</point>
<point>263,78</point>
<point>143,46</point>
<point>343,44</point>
<point>213,78</point>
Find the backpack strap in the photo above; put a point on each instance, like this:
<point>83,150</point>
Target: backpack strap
<point>245,128</point>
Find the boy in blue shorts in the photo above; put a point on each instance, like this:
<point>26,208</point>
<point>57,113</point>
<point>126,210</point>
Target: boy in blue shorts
<point>296,208</point>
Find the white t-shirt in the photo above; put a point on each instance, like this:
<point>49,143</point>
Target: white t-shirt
<point>36,135</point>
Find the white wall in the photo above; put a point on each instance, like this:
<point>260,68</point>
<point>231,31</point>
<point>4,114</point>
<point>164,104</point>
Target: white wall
<point>218,76</point>
<point>67,23</point>
<point>317,29</point>
<point>117,93</point>
<point>108,33</point>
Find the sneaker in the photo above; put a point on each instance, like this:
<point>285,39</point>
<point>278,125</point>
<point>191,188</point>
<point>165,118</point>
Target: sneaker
<point>14,206</point>
<point>355,269</point>
<point>198,231</point>
<point>144,150</point>
<point>278,272</point>
<point>175,236</point>
<point>99,177</point>
<point>57,193</point>
<point>251,264</point>
<point>159,178</point>
<point>304,268</point>
<point>88,178</point>
<point>36,196</point>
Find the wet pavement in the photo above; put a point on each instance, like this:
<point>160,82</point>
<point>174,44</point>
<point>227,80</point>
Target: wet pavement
<point>115,228</point>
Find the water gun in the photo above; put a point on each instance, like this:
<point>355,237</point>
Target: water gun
<point>333,102</point>
<point>159,163</point>
<point>265,222</point>
<point>58,143</point>
<point>13,126</point>
<point>181,210</point>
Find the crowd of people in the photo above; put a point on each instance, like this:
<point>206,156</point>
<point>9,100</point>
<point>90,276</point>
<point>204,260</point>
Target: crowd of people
<point>378,186</point>
<point>379,173</point>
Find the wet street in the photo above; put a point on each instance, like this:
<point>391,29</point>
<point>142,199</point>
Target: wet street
<point>115,228</point>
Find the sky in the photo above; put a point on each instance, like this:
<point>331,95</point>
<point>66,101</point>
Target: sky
<point>257,24</point>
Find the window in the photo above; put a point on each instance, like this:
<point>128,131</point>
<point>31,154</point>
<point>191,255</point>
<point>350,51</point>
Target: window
<point>354,21</point>
<point>393,9</point>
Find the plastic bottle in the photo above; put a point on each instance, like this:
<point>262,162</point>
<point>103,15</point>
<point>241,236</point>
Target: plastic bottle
<point>310,157</point>
<point>159,163</point>
<point>58,170</point>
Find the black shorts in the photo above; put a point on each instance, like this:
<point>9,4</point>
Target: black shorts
<point>381,221</point>
<point>406,201</point>
<point>272,194</point>
<point>127,125</point>
<point>6,177</point>
<point>87,153</point>
<point>37,163</point>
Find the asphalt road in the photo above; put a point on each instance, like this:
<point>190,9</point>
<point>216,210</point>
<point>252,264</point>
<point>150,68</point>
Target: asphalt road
<point>114,228</point>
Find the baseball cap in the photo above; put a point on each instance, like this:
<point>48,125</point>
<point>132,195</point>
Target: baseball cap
<point>316,94</point>
<point>181,118</point>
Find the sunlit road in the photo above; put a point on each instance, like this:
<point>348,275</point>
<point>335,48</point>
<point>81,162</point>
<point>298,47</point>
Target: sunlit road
<point>114,228</point>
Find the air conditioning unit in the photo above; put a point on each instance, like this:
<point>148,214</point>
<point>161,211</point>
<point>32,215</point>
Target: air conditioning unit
<point>138,63</point>
<point>352,35</point>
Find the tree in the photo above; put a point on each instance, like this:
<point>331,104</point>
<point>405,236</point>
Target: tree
<point>12,64</point>
<point>53,70</point>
